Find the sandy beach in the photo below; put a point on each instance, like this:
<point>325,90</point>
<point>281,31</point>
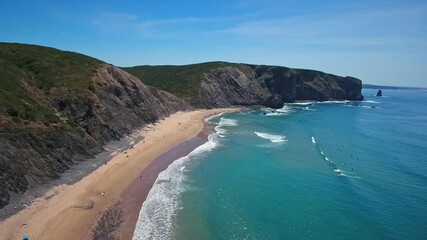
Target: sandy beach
<point>73,211</point>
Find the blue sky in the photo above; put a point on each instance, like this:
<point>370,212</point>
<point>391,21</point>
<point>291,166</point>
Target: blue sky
<point>378,41</point>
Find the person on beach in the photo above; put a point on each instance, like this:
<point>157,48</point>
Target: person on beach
<point>25,237</point>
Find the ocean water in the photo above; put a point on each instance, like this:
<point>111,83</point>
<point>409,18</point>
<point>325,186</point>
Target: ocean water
<point>336,170</point>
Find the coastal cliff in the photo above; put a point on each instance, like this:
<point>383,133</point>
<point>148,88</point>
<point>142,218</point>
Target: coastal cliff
<point>221,84</point>
<point>60,108</point>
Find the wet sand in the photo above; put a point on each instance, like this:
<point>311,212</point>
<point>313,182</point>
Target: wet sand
<point>71,211</point>
<point>136,193</point>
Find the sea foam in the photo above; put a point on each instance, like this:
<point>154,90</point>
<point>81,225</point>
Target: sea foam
<point>228,122</point>
<point>320,102</point>
<point>334,167</point>
<point>302,103</point>
<point>275,114</point>
<point>159,209</point>
<point>313,140</point>
<point>223,124</point>
<point>371,101</point>
<point>271,137</point>
<point>285,110</point>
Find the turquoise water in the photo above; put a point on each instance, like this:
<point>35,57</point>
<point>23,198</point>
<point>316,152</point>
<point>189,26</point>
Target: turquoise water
<point>317,171</point>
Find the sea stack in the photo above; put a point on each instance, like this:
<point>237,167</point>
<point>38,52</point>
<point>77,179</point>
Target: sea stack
<point>379,93</point>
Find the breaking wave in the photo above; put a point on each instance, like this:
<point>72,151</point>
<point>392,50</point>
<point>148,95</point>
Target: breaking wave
<point>333,166</point>
<point>158,211</point>
<point>271,137</point>
<point>221,128</point>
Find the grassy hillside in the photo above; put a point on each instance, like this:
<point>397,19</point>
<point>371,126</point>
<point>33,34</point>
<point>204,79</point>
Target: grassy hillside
<point>183,81</point>
<point>52,71</point>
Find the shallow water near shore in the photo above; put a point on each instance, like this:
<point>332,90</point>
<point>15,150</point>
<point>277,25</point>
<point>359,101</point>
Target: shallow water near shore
<point>335,170</point>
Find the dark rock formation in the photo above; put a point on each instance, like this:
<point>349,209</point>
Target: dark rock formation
<point>273,101</point>
<point>297,85</point>
<point>32,157</point>
<point>273,86</point>
<point>229,86</point>
<point>379,93</point>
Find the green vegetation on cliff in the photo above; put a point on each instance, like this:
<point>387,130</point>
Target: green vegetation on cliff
<point>47,71</point>
<point>182,81</point>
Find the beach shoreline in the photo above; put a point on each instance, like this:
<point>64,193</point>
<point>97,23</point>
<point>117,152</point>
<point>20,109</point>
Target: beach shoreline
<point>135,194</point>
<point>74,210</point>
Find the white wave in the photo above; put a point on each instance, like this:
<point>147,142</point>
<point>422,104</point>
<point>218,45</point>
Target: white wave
<point>342,173</point>
<point>371,101</point>
<point>159,209</point>
<point>313,140</point>
<point>320,102</point>
<point>302,103</point>
<point>285,109</point>
<point>346,175</point>
<point>335,101</point>
<point>228,122</point>
<point>271,137</point>
<point>208,119</point>
<point>225,122</point>
<point>308,109</point>
<point>220,131</point>
<point>274,114</point>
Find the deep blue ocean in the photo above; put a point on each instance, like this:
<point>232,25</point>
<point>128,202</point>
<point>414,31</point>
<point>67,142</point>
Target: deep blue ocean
<point>335,170</point>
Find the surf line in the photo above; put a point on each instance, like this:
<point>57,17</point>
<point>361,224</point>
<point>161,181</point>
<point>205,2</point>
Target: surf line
<point>330,162</point>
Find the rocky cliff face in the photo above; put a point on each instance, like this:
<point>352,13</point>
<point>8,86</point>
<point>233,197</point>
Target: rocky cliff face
<point>300,85</point>
<point>228,86</point>
<point>32,157</point>
<point>273,86</point>
<point>116,104</point>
